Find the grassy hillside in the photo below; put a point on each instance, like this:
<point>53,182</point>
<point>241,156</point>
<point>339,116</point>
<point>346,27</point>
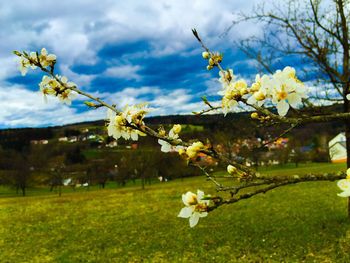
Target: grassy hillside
<point>305,222</point>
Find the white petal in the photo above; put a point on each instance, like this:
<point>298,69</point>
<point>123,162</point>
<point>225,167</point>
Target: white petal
<point>110,114</point>
<point>185,212</point>
<point>171,133</point>
<point>203,214</point>
<point>260,103</point>
<point>194,219</point>
<point>251,100</point>
<point>44,51</point>
<point>134,136</point>
<point>23,70</point>
<point>344,184</point>
<point>294,99</point>
<point>71,84</point>
<point>221,92</point>
<point>64,79</point>
<point>344,194</point>
<point>282,107</point>
<point>51,57</point>
<point>166,147</point>
<point>200,194</point>
<point>184,199</point>
<point>348,97</point>
<point>125,135</point>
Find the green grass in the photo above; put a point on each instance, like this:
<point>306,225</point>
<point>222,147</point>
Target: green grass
<point>305,222</point>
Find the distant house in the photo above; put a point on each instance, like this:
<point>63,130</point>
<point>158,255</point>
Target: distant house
<point>280,143</point>
<point>73,139</point>
<point>337,148</point>
<point>39,142</point>
<point>112,144</point>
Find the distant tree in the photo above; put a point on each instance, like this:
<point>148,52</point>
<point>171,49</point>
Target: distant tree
<point>71,132</point>
<point>22,168</point>
<point>74,155</point>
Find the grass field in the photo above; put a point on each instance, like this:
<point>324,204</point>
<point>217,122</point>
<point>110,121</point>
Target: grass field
<point>305,222</point>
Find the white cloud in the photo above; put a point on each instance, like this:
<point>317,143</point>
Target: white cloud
<point>76,30</point>
<point>128,72</point>
<point>23,108</point>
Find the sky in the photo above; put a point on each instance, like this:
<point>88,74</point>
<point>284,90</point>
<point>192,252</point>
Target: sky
<point>124,52</point>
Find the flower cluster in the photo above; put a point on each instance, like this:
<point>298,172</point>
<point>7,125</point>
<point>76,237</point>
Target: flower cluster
<point>214,59</point>
<point>59,87</point>
<point>44,59</point>
<point>282,89</point>
<point>195,207</point>
<point>124,124</point>
<point>192,151</point>
<point>232,92</point>
<point>173,135</point>
<point>188,153</point>
<point>344,185</point>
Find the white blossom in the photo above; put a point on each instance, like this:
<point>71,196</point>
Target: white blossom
<point>195,207</point>
<point>46,59</point>
<point>231,93</point>
<point>23,65</point>
<point>119,124</point>
<point>51,86</point>
<point>259,90</point>
<point>174,135</point>
<point>287,90</point>
<point>194,149</point>
<point>344,185</point>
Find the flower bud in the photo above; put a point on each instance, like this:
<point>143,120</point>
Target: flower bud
<point>243,91</point>
<point>181,152</point>
<point>219,58</point>
<point>348,173</point>
<point>211,62</point>
<point>205,55</point>
<point>197,146</point>
<point>231,169</point>
<point>17,53</point>
<point>209,67</point>
<point>161,131</point>
<point>191,153</point>
<point>89,104</point>
<point>255,87</point>
<point>254,115</point>
<point>177,128</point>
<point>259,96</point>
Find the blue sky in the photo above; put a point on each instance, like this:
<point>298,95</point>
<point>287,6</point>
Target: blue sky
<point>124,52</point>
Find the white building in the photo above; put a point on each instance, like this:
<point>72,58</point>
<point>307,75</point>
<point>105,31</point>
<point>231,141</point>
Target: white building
<point>337,148</point>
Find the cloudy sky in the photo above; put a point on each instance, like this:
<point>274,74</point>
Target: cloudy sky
<point>124,52</point>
